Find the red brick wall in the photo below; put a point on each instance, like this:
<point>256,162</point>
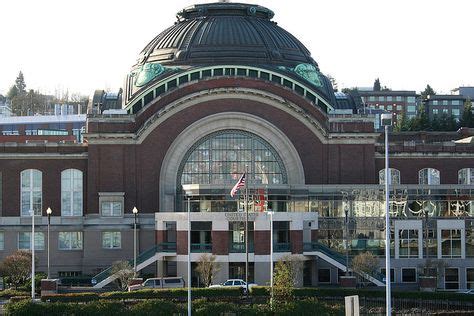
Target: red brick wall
<point>160,236</point>
<point>220,242</point>
<point>261,242</point>
<point>181,242</point>
<point>296,240</point>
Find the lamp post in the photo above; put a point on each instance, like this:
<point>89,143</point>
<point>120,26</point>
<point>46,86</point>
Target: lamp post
<point>189,189</point>
<point>386,121</point>
<point>270,212</point>
<point>32,254</point>
<point>49,212</point>
<point>135,214</point>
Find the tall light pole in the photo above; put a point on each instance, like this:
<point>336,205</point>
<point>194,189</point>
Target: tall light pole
<point>135,214</point>
<point>386,121</point>
<point>189,189</point>
<point>271,258</point>
<point>32,254</point>
<point>49,212</point>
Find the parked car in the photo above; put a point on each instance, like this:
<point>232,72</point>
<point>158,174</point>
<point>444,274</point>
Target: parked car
<point>235,283</point>
<point>159,283</point>
<point>471,291</point>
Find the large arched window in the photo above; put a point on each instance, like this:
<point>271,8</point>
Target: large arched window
<point>394,176</point>
<point>428,176</point>
<point>71,192</point>
<point>31,192</point>
<point>221,157</point>
<point>466,176</point>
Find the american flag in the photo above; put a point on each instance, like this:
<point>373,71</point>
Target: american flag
<point>238,185</point>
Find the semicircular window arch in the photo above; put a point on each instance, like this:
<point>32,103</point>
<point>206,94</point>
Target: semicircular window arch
<point>221,157</point>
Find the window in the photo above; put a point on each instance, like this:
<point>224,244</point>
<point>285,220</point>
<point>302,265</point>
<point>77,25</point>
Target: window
<point>381,98</point>
<point>398,98</point>
<point>70,240</point>
<point>435,102</point>
<point>411,108</point>
<point>435,111</point>
<point>466,176</point>
<point>409,275</point>
<point>2,240</point>
<point>455,112</point>
<point>470,278</point>
<point>71,192</point>
<point>394,176</point>
<point>451,278</point>
<point>445,102</point>
<point>24,241</point>
<point>455,102</point>
<point>451,243</point>
<point>389,99</point>
<point>111,208</point>
<point>221,157</point>
<point>408,243</point>
<point>31,192</point>
<point>389,107</point>
<point>111,240</point>
<point>324,275</point>
<point>372,98</point>
<point>410,99</point>
<point>392,274</point>
<point>445,111</point>
<point>428,176</point>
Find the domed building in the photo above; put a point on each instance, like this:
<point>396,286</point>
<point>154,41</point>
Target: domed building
<point>223,92</point>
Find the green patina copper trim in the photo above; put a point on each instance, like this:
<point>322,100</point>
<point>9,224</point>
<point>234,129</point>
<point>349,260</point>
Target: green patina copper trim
<point>147,73</point>
<point>310,73</point>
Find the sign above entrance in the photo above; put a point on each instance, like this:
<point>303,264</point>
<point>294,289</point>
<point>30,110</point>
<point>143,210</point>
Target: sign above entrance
<point>239,216</point>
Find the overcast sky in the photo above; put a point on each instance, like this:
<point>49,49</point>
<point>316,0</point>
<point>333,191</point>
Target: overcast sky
<point>91,44</point>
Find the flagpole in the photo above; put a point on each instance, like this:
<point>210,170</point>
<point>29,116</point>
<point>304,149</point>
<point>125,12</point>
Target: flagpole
<point>246,233</point>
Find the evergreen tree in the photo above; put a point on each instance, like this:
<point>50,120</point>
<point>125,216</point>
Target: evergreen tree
<point>422,121</point>
<point>428,91</point>
<point>20,83</point>
<point>377,86</point>
<point>467,118</point>
<point>403,124</point>
<point>435,123</point>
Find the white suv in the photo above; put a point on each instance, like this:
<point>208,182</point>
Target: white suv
<point>235,283</point>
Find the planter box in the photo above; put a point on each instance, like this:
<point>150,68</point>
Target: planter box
<point>427,283</point>
<point>49,286</point>
<point>348,281</point>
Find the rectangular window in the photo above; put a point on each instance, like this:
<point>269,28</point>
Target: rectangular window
<point>455,102</point>
<point>451,278</point>
<point>392,274</point>
<point>451,243</point>
<point>24,241</point>
<point>455,112</point>
<point>70,240</point>
<point>399,98</point>
<point>324,275</point>
<point>445,111</point>
<point>372,98</point>
<point>111,208</point>
<point>445,102</point>
<point>435,102</point>
<point>470,278</point>
<point>408,243</point>
<point>411,109</point>
<point>111,240</point>
<point>389,99</point>
<point>389,107</point>
<point>410,99</point>
<point>435,111</point>
<point>409,275</point>
<point>2,240</point>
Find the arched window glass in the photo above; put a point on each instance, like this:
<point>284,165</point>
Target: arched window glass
<point>394,176</point>
<point>466,176</point>
<point>428,176</point>
<point>31,196</point>
<point>221,157</point>
<point>71,192</point>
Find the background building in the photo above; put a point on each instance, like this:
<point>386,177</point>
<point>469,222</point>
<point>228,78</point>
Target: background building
<point>222,91</point>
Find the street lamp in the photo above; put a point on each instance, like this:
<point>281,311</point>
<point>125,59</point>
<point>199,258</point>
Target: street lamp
<point>49,212</point>
<point>135,214</point>
<point>386,121</point>
<point>189,190</point>
<point>32,254</point>
<point>270,212</point>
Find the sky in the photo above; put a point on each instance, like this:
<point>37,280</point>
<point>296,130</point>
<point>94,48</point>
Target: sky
<point>85,45</point>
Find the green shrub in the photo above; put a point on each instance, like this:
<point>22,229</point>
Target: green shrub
<point>11,292</point>
<point>213,308</point>
<point>70,297</point>
<point>157,307</point>
<point>99,308</point>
